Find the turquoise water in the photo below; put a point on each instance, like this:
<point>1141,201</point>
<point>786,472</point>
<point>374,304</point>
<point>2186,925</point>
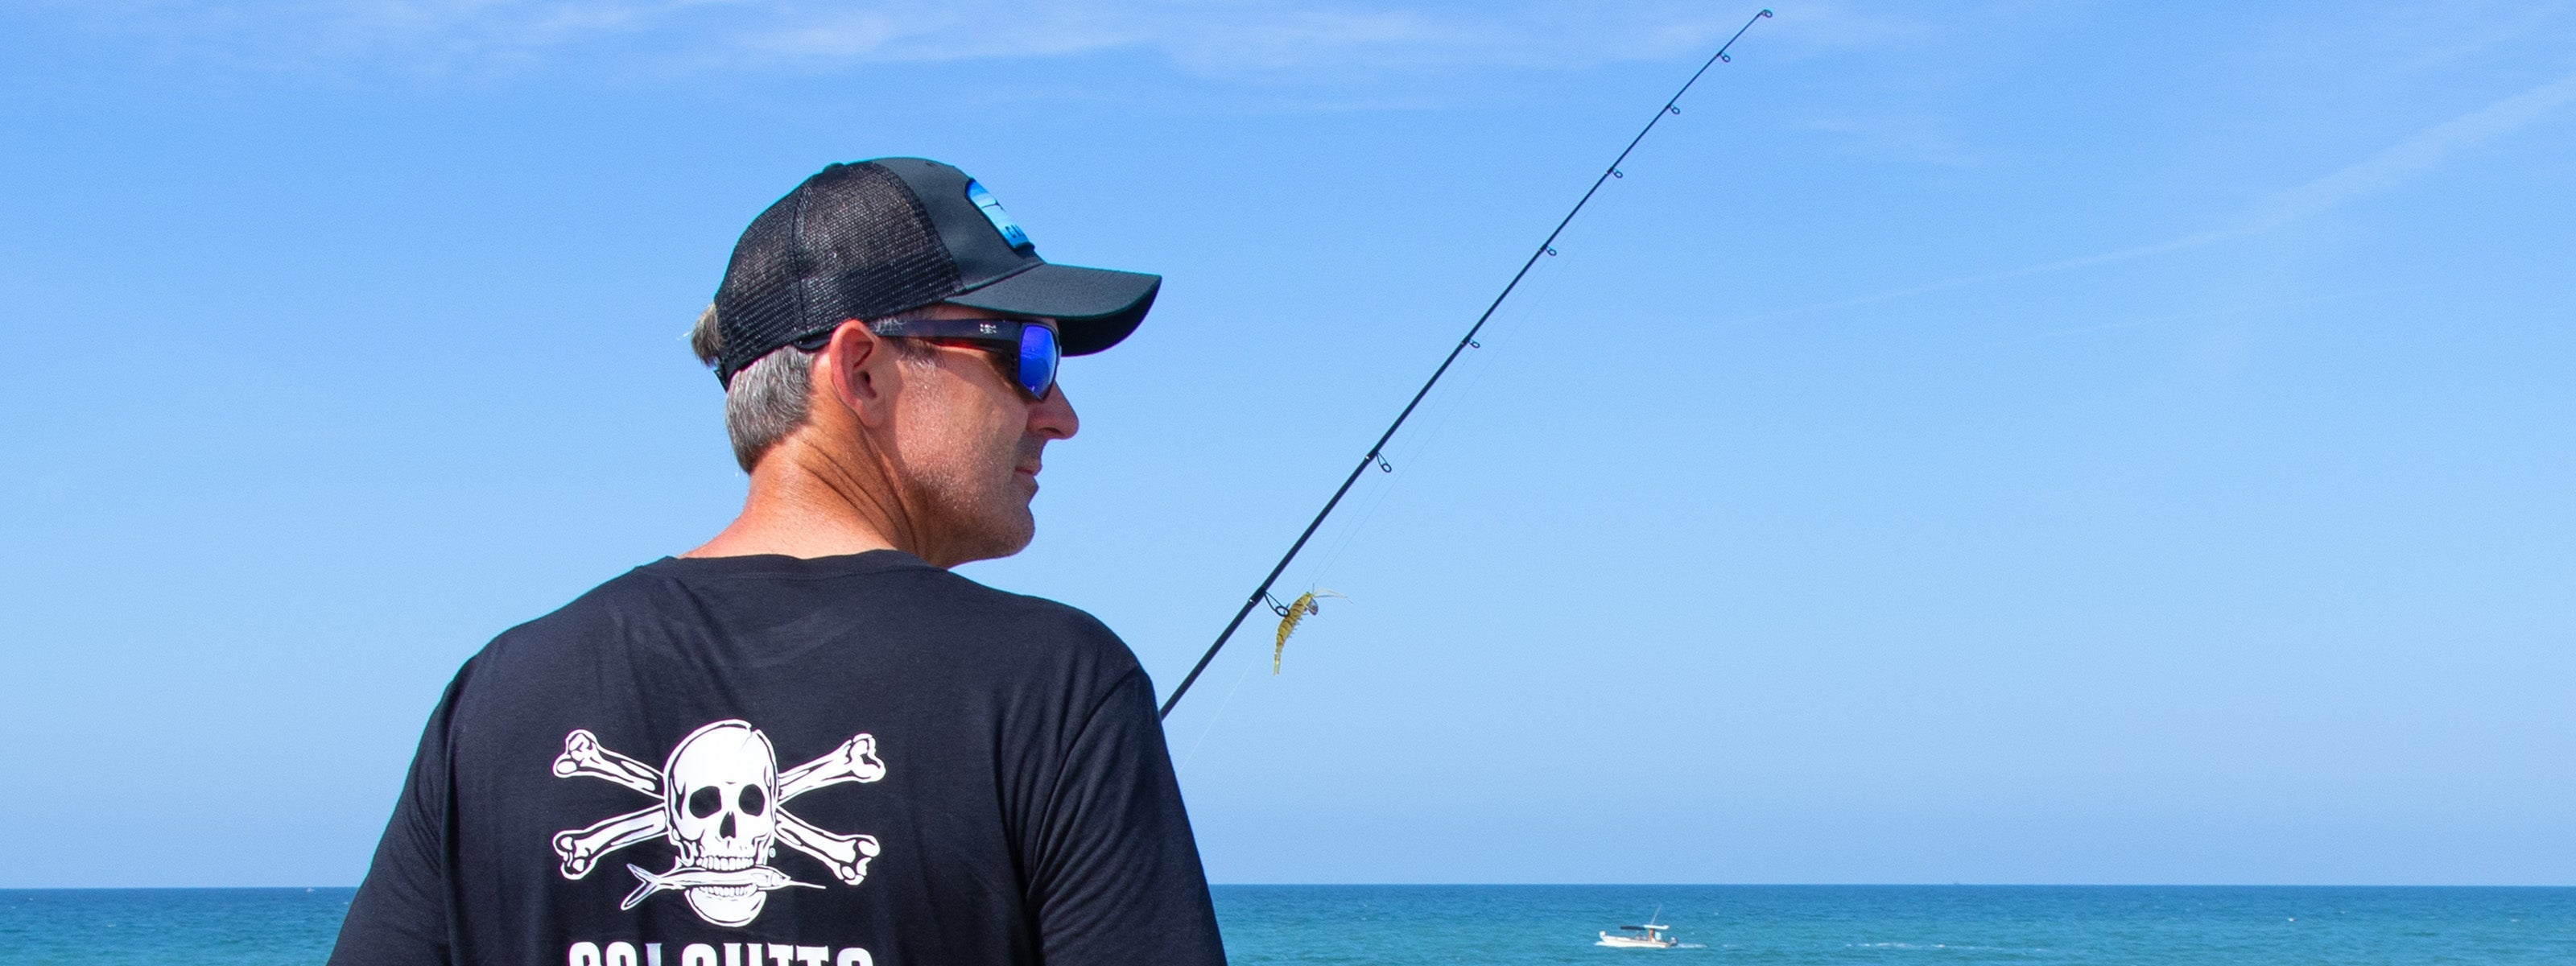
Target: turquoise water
<point>1406,925</point>
<point>2114,926</point>
<point>216,927</point>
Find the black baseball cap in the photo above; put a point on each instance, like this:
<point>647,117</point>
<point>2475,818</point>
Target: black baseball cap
<point>872,238</point>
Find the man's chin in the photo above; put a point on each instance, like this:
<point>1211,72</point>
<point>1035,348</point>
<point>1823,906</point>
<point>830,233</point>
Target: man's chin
<point>999,538</point>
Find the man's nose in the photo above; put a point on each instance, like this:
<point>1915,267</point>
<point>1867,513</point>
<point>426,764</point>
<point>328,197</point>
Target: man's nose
<point>1053,416</point>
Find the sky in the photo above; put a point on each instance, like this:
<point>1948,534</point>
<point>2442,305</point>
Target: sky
<point>2000,442</point>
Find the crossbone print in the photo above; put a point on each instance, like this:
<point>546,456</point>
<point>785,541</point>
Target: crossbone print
<point>723,808</point>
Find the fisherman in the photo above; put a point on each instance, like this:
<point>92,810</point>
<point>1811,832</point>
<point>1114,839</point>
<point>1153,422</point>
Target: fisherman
<point>807,741</point>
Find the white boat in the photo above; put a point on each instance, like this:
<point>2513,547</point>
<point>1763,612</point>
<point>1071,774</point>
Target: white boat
<point>1648,936</point>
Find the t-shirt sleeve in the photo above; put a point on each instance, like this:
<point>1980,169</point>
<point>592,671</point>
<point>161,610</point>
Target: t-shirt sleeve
<point>399,915</point>
<point>1117,876</point>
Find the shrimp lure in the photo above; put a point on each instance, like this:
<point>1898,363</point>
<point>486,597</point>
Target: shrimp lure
<point>1290,615</point>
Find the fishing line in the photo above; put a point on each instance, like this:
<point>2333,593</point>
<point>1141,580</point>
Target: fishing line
<point>1184,766</point>
<point>1376,455</point>
<point>1499,335</point>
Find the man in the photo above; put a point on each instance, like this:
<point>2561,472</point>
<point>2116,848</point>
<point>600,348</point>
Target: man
<point>806,743</point>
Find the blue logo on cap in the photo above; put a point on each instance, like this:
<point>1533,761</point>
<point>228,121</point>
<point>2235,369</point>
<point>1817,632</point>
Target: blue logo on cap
<point>1001,221</point>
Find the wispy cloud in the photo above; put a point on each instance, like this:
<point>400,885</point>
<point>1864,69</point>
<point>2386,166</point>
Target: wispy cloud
<point>2207,314</point>
<point>2421,153</point>
<point>2484,29</point>
<point>1217,38</point>
<point>1204,37</point>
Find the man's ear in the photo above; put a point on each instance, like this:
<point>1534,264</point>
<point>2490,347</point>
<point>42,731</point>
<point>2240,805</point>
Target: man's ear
<point>857,370</point>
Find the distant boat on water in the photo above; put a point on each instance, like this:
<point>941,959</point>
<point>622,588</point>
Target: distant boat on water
<point>1647,936</point>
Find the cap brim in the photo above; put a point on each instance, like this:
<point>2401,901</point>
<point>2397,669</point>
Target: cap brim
<point>1094,308</point>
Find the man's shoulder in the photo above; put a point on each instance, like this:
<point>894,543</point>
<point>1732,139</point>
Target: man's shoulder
<point>891,594</point>
<point>1015,610</point>
<point>1031,630</point>
<point>618,601</point>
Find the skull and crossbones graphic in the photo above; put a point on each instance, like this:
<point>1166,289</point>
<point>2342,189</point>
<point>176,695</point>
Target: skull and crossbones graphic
<point>723,808</point>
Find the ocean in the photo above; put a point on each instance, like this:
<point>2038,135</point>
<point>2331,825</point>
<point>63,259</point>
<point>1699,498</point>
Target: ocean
<point>1406,925</point>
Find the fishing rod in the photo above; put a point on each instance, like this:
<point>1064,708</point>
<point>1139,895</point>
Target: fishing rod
<point>1377,452</point>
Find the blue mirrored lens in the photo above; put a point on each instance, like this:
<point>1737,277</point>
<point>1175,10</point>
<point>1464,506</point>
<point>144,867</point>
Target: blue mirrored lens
<point>1038,356</point>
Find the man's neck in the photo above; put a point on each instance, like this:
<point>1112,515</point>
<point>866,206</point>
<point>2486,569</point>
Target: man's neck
<point>803,505</point>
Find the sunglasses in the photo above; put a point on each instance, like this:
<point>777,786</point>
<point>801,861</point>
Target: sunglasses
<point>1027,351</point>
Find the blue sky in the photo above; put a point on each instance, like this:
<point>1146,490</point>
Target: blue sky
<point>2008,442</point>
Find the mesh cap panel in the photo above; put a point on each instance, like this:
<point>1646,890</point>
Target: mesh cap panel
<point>850,243</point>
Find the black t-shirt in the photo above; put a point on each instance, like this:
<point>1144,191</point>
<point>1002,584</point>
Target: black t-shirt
<point>767,761</point>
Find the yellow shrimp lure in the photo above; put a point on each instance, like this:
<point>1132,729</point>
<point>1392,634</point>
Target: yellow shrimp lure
<point>1290,615</point>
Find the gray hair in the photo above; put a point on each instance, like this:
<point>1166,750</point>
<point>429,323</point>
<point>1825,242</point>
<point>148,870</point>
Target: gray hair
<point>772,396</point>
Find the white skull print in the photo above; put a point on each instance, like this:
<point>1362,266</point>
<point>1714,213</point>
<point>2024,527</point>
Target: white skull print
<point>723,811</point>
